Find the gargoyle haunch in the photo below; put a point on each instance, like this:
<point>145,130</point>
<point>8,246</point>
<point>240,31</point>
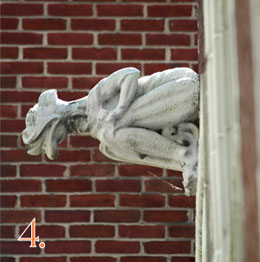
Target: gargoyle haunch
<point>145,120</point>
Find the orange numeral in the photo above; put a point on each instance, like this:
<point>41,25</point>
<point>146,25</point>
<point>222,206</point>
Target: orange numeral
<point>33,239</point>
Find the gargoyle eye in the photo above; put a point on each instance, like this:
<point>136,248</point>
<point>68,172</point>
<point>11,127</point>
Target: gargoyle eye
<point>31,121</point>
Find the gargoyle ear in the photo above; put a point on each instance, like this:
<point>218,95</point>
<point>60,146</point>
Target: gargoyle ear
<point>48,97</point>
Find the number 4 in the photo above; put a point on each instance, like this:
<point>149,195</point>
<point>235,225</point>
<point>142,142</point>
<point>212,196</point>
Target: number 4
<point>33,239</point>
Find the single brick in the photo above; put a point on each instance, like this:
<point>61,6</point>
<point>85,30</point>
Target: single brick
<point>142,25</point>
<point>167,247</point>
<point>45,82</point>
<point>8,141</point>
<point>182,231</point>
<point>92,231</point>
<point>7,170</point>
<point>196,39</point>
<point>182,201</point>
<point>165,216</point>
<point>85,83</point>
<point>95,170</point>
<point>44,24</point>
<point>67,216</point>
<point>21,216</point>
<point>120,39</point>
<point>68,247</point>
<point>69,10</point>
<point>68,185</point>
<point>137,170</point>
<point>9,111</point>
<point>45,53</point>
<point>7,259</point>
<point>164,186</point>
<point>8,23</point>
<point>19,96</point>
<point>142,231</point>
<point>7,231</point>
<point>93,24</point>
<point>184,54</point>
<point>142,200</point>
<point>117,216</point>
<point>17,155</point>
<point>117,247</point>
<point>184,25</point>
<point>43,201</point>
<point>43,259</point>
<point>143,54</point>
<point>8,201</point>
<point>9,52</point>
<point>94,53</point>
<point>84,141</point>
<point>69,68</point>
<point>168,40</point>
<point>143,259</point>
<point>169,10</point>
<point>92,200</point>
<point>21,68</point>
<point>70,39</point>
<point>8,81</point>
<point>120,10</point>
<point>93,259</point>
<point>118,185</point>
<point>42,170</point>
<point>12,125</point>
<point>11,247</point>
<point>21,38</point>
<point>108,68</point>
<point>20,185</point>
<point>17,9</point>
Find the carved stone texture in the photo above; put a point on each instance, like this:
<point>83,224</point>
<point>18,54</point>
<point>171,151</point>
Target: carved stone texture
<point>145,120</point>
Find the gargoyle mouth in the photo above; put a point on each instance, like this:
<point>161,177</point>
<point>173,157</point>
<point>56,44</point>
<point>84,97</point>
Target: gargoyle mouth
<point>47,141</point>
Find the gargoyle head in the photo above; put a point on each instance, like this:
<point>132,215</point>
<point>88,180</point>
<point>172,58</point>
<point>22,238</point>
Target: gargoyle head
<point>44,128</point>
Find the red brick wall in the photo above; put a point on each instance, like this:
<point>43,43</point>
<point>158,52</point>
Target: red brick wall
<point>89,208</point>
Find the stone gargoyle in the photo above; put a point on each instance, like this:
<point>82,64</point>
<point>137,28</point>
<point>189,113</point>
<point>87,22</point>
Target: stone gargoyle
<point>144,120</point>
